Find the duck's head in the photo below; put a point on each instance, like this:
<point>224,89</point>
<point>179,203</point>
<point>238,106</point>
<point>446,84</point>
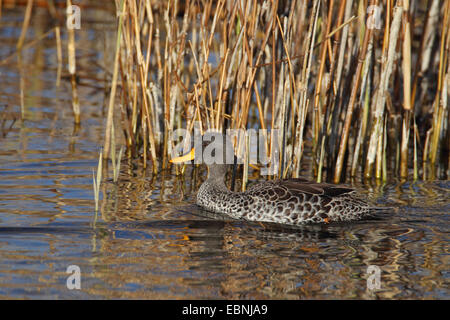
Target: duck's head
<point>213,149</point>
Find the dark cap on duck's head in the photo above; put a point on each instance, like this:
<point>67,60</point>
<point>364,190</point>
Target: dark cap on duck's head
<point>217,148</point>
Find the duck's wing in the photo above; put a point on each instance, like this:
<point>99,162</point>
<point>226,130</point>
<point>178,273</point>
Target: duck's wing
<point>311,187</point>
<point>283,189</point>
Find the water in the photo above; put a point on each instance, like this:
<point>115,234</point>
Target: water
<point>149,240</point>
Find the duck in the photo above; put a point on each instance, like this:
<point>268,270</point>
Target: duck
<point>294,201</point>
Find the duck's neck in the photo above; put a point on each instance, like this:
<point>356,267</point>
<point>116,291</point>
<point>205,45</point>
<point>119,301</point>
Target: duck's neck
<point>216,177</point>
<point>214,196</point>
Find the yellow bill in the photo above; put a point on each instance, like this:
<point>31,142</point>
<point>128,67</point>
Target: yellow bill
<point>187,157</point>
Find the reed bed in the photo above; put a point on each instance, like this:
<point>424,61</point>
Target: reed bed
<point>358,89</point>
<point>361,86</point>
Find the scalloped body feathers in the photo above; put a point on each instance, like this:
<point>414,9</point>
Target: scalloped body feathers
<point>292,201</point>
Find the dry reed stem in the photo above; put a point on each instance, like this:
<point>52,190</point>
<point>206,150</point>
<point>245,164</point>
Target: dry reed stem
<point>303,87</point>
<point>438,112</point>
<point>109,119</point>
<point>26,22</point>
<point>317,109</point>
<point>406,89</point>
<point>350,108</point>
<point>72,67</point>
<point>58,55</point>
<point>380,98</point>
